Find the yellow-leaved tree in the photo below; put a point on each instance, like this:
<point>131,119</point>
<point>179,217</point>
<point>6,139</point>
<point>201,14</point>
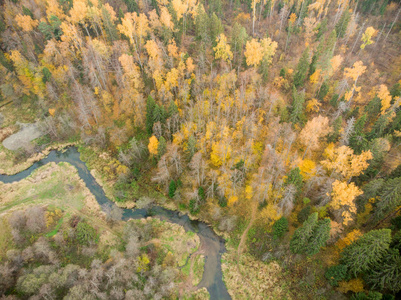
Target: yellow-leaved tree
<point>385,97</point>
<point>222,49</point>
<point>314,129</point>
<point>367,37</point>
<point>343,199</point>
<point>344,162</point>
<point>357,70</point>
<point>153,145</point>
<point>26,22</point>
<point>253,52</point>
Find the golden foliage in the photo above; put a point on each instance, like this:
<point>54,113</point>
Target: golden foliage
<point>343,196</point>
<point>253,53</point>
<point>385,97</point>
<point>357,70</point>
<point>342,160</point>
<point>165,18</point>
<point>349,239</point>
<point>153,144</point>
<point>367,37</point>
<point>26,22</point>
<point>354,285</point>
<point>335,63</point>
<point>222,49</point>
<point>314,78</point>
<point>314,129</point>
<point>313,105</point>
<point>307,168</point>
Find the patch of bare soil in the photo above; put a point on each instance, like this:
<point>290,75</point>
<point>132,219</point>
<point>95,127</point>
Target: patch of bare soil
<point>22,138</point>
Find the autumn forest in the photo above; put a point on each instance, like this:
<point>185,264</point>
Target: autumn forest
<point>276,122</point>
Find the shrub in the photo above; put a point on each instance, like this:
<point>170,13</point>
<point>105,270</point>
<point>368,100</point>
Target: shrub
<point>335,274</point>
<point>86,234</point>
<point>303,214</point>
<point>280,227</point>
<point>369,296</point>
<point>194,208</point>
<point>396,222</point>
<point>172,188</point>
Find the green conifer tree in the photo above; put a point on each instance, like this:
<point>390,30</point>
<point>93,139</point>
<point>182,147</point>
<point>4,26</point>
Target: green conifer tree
<point>366,251</point>
<point>302,69</point>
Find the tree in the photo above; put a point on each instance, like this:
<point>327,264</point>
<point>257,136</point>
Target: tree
<point>297,108</point>
<point>343,199</point>
<point>357,70</point>
<point>320,236</point>
<point>172,188</point>
<point>357,140</point>
<point>390,198</point>
<point>253,53</point>
<point>309,238</point>
<point>161,147</point>
<point>150,106</point>
<point>280,227</point>
<point>35,219</point>
<point>367,251</point>
<point>254,2</point>
<point>238,38</point>
<point>385,274</point>
<point>86,234</point>
<point>153,145</point>
<point>314,129</point>
<point>302,69</point>
<point>385,97</point>
<point>367,37</point>
<point>344,162</point>
<point>269,49</point>
<point>222,50</point>
<point>342,24</point>
<point>295,178</point>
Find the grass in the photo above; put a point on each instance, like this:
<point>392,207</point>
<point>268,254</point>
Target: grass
<point>263,281</point>
<point>50,184</point>
<point>6,239</point>
<point>198,268</point>
<point>58,226</point>
<point>173,238</point>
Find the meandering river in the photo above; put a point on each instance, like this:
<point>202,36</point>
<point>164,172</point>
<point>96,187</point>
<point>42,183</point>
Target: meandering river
<point>212,244</point>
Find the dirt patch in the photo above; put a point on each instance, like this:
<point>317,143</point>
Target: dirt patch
<point>22,138</point>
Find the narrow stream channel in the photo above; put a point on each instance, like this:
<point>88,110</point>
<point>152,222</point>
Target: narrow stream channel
<point>212,244</point>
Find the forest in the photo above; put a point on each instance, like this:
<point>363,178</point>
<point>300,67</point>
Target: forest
<point>277,122</point>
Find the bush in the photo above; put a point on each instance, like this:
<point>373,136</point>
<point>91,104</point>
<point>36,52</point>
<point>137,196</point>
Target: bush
<point>201,193</point>
<point>304,214</point>
<point>194,208</point>
<point>86,234</point>
<point>223,201</point>
<point>369,296</point>
<point>335,274</point>
<point>280,227</point>
<point>396,222</point>
<point>172,188</point>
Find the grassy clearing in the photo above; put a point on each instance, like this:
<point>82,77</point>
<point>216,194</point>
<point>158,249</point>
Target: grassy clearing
<point>54,184</point>
<point>172,237</point>
<point>263,281</point>
<point>197,269</point>
<point>13,162</point>
<point>6,240</point>
<point>201,294</point>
